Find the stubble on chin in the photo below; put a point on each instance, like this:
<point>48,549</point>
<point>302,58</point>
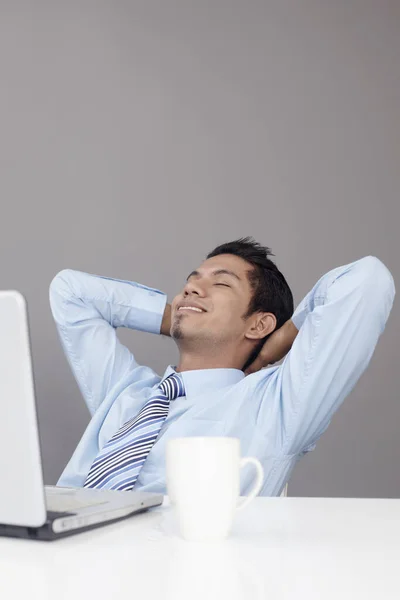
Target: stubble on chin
<point>176,330</point>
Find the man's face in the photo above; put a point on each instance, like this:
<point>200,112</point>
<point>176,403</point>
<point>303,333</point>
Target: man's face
<point>213,302</point>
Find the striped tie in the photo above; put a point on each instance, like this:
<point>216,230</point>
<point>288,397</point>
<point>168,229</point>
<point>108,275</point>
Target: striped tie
<point>118,464</point>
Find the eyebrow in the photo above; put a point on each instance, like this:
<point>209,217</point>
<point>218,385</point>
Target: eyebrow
<point>215,273</point>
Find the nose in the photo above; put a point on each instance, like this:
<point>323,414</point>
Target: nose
<point>194,288</point>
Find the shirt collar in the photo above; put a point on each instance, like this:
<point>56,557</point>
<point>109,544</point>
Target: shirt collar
<point>201,381</point>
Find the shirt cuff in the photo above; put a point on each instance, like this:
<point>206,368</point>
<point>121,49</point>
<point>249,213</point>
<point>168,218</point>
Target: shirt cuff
<point>157,302</point>
<point>300,314</point>
<point>142,308</point>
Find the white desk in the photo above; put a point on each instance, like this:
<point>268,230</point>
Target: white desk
<point>280,548</point>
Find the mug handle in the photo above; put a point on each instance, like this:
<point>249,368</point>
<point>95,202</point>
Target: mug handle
<point>258,483</point>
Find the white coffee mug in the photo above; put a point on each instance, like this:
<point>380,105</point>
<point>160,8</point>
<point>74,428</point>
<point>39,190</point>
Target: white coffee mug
<point>203,483</point>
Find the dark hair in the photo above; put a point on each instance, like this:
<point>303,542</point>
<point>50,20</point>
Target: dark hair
<point>271,292</point>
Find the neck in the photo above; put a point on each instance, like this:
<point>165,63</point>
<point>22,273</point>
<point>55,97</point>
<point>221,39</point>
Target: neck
<point>193,361</point>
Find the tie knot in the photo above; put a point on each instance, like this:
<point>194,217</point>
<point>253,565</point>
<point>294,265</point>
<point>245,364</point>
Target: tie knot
<point>173,386</point>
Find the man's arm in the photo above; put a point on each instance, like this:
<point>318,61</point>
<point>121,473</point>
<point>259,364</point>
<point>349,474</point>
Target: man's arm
<point>87,310</point>
<point>339,324</point>
<point>275,348</point>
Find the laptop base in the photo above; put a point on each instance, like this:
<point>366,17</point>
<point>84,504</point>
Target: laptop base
<point>45,533</point>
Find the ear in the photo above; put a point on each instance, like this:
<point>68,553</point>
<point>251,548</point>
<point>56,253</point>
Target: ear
<point>260,325</point>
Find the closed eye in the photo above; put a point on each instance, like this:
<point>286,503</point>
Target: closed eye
<point>224,284</point>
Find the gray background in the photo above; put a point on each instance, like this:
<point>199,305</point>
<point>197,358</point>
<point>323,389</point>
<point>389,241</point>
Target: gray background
<point>135,136</point>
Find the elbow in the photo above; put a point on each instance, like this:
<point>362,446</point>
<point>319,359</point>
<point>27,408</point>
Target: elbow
<point>60,290</point>
<point>378,287</point>
<point>378,276</point>
<point>60,285</point>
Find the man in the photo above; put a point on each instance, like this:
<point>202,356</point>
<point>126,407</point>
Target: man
<point>234,314</point>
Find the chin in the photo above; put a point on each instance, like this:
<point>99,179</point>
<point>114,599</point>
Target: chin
<point>176,332</point>
<point>180,331</point>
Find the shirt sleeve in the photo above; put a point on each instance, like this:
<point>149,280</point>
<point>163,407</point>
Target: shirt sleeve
<point>339,322</point>
<point>87,310</point>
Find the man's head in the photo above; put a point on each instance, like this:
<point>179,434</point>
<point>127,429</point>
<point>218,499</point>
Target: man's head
<point>231,303</point>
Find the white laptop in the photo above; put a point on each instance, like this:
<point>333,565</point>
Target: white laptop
<point>28,509</point>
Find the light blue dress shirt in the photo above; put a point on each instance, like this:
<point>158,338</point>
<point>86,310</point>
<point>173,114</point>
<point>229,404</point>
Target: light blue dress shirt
<point>278,413</point>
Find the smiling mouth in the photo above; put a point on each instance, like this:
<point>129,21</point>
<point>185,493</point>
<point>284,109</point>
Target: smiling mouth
<point>190,309</point>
